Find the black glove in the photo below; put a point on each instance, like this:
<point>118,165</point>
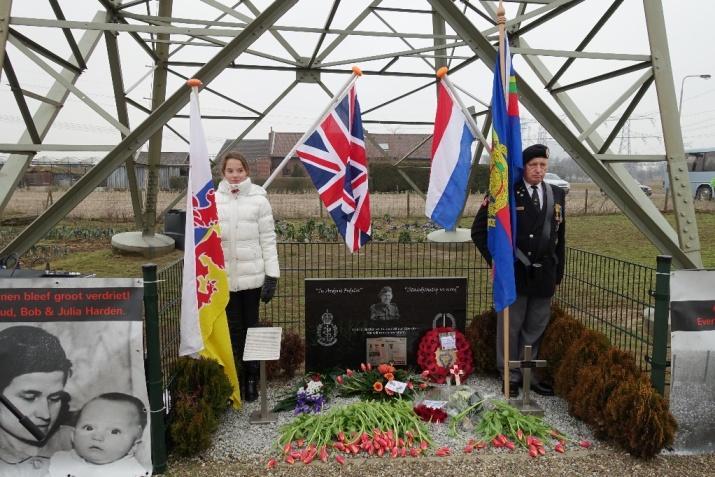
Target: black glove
<point>269,289</point>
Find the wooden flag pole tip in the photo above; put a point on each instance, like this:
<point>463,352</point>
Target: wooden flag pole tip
<point>194,82</point>
<point>357,71</point>
<point>442,71</point>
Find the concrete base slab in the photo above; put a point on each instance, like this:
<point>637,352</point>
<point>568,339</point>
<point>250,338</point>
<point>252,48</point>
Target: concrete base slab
<point>458,235</point>
<point>150,246</point>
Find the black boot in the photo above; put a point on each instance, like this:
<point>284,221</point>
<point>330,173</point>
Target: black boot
<point>252,373</point>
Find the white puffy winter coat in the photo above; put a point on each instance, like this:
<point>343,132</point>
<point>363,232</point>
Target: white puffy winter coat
<point>248,235</point>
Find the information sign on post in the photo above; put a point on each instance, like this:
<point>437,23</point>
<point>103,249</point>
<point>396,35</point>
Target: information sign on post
<point>263,344</point>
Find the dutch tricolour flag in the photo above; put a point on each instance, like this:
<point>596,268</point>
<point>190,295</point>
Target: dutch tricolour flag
<point>451,162</point>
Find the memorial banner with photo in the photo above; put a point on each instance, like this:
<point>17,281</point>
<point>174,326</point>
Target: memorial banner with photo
<point>377,320</point>
<point>72,368</point>
<point>692,392</point>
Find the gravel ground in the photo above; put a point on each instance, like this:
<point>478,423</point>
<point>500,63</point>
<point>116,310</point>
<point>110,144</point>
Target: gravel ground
<point>241,449</point>
<point>236,438</point>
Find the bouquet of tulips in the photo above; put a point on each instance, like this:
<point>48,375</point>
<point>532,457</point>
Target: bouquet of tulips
<point>504,426</point>
<point>371,382</point>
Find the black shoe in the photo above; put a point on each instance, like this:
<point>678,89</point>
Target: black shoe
<point>542,389</point>
<point>251,390</point>
<point>513,388</point>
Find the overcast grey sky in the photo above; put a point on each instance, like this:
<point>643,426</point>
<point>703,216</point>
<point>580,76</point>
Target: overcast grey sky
<point>690,35</point>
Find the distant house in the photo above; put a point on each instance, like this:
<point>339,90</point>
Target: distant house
<point>171,164</point>
<point>256,153</point>
<point>61,173</point>
<point>392,147</point>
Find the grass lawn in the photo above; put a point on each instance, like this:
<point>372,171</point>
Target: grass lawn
<point>612,235</point>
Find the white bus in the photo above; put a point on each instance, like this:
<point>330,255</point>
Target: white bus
<point>701,173</point>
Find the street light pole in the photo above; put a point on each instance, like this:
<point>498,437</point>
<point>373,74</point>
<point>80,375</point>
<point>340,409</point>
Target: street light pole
<point>682,85</point>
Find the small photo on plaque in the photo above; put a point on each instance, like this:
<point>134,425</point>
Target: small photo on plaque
<point>387,350</point>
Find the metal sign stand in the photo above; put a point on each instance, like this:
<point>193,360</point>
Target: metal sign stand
<point>262,344</point>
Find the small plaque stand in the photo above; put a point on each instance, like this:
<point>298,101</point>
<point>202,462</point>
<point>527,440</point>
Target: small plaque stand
<point>526,405</point>
<point>262,344</point>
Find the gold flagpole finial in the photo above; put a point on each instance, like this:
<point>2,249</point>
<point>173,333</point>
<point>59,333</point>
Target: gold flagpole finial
<point>501,14</point>
<point>194,82</point>
<point>357,71</point>
<point>442,71</point>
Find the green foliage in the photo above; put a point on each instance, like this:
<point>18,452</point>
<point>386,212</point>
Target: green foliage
<point>385,177</point>
<point>604,387</point>
<point>81,233</point>
<point>560,333</point>
<point>596,383</point>
<point>482,336</point>
<point>583,352</point>
<point>308,231</point>
<point>178,182</point>
<point>292,354</point>
<point>200,393</point>
<point>191,426</point>
<point>637,418</point>
<point>404,237</point>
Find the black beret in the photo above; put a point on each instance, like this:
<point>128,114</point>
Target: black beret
<point>534,151</point>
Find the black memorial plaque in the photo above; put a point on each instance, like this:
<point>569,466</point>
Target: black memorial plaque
<point>352,321</point>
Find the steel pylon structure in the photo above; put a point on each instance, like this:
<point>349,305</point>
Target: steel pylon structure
<point>572,78</point>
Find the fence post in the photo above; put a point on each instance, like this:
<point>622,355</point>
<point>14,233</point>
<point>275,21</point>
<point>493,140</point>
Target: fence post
<point>153,369</point>
<point>585,203</point>
<point>408,204</point>
<point>660,323</point>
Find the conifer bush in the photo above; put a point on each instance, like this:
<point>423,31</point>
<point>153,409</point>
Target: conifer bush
<point>200,393</point>
<point>583,352</point>
<point>597,382</point>
<point>292,354</point>
<point>637,417</point>
<point>482,336</point>
<point>562,331</point>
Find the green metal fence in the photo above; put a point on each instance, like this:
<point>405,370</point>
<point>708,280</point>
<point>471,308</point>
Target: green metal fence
<point>626,301</point>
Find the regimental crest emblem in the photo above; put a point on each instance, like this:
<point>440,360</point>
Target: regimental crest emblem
<point>498,181</point>
<point>327,330</point>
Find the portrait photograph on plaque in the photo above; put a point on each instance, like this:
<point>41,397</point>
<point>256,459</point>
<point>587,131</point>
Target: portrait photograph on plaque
<point>376,320</point>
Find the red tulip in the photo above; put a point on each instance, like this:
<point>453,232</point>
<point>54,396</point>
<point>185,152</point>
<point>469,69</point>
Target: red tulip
<point>271,464</point>
<point>340,459</point>
<point>339,379</point>
<point>585,444</point>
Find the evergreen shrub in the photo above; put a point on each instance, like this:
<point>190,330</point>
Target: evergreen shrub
<point>583,352</point>
<point>637,417</point>
<point>560,333</point>
<point>200,393</point>
<point>482,336</point>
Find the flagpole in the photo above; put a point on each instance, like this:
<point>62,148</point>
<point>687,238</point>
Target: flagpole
<point>442,74</point>
<point>336,99</point>
<point>501,22</point>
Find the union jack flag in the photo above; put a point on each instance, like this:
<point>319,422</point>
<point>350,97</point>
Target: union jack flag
<point>334,156</point>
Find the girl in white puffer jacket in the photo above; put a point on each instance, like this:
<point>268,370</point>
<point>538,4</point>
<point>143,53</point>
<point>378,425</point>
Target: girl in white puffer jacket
<point>248,239</point>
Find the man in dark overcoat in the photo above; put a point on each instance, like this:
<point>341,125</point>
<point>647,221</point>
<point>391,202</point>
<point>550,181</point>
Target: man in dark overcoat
<point>540,241</point>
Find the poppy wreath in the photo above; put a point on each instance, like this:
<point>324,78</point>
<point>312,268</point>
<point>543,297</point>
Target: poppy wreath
<point>427,354</point>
